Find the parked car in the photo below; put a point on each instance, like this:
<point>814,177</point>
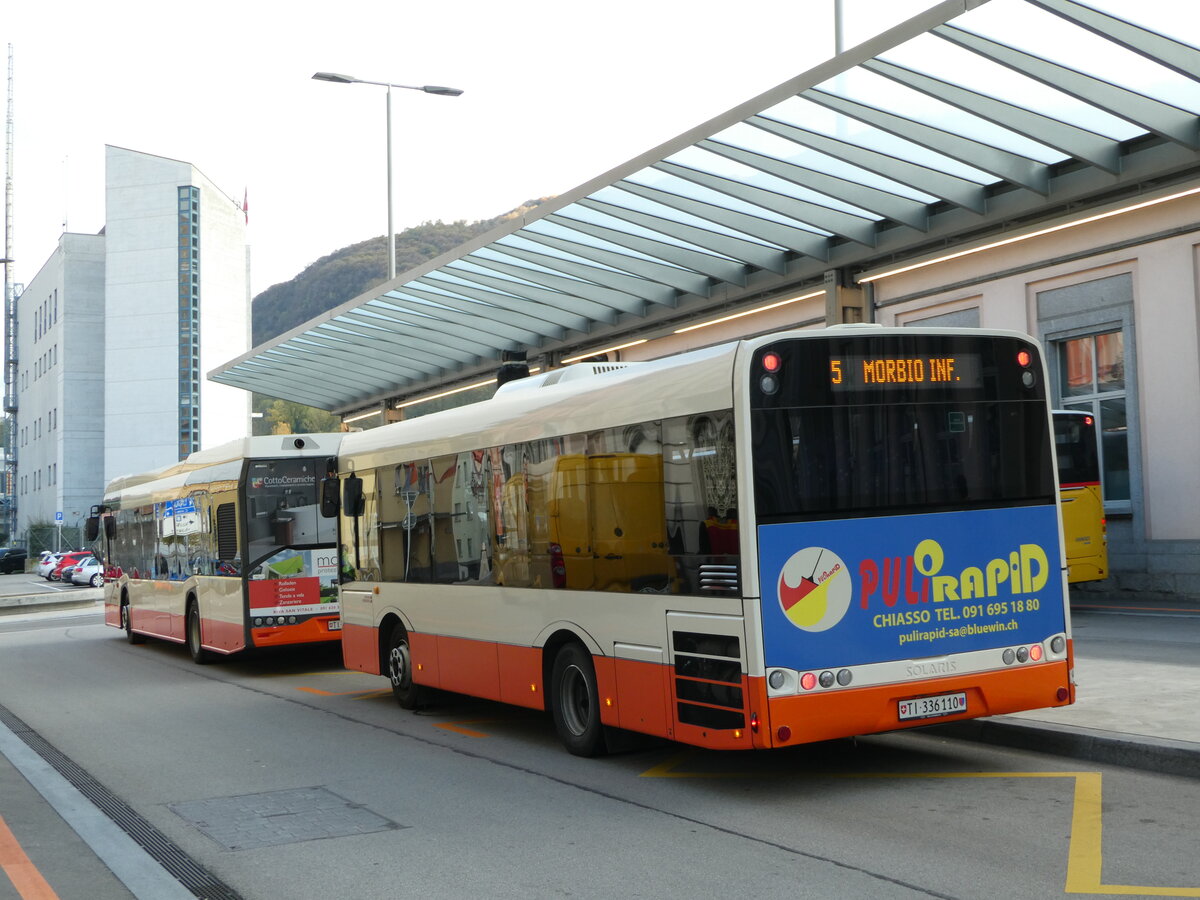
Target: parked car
<point>48,562</point>
<point>65,572</point>
<point>67,559</point>
<point>90,571</point>
<point>12,559</point>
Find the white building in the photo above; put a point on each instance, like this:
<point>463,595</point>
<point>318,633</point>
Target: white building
<point>177,303</point>
<point>59,428</point>
<point>114,335</point>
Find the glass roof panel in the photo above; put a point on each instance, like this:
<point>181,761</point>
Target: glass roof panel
<point>555,230</point>
<point>618,197</point>
<point>698,158</point>
<point>597,217</point>
<point>1051,37</point>
<point>494,253</point>
<point>933,56</point>
<point>885,95</point>
<point>758,141</point>
<point>518,242</point>
<point>464,264</point>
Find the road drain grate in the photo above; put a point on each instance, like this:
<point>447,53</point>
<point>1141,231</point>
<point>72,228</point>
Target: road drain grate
<point>272,818</point>
<point>162,850</point>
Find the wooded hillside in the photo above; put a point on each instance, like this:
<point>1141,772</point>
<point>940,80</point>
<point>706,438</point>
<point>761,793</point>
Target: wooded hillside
<point>344,274</point>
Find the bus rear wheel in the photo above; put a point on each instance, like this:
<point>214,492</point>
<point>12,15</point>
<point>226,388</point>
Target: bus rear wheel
<point>400,670</point>
<point>574,701</point>
<point>199,654</point>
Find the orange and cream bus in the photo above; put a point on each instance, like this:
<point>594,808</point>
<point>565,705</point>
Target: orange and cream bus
<point>1085,526</point>
<point>226,550</point>
<point>791,538</point>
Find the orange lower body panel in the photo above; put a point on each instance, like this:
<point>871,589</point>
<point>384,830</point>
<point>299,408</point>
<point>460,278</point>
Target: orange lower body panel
<point>640,696</point>
<point>827,715</point>
<point>310,631</point>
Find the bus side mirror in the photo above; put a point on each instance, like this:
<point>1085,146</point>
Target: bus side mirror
<point>92,529</point>
<point>110,527</point>
<point>329,497</point>
<point>352,496</point>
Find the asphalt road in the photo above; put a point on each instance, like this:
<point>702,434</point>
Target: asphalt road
<point>284,775</point>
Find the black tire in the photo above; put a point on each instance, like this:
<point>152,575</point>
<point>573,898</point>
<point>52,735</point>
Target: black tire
<point>575,702</point>
<point>200,656</point>
<point>400,670</point>
<point>97,580</point>
<point>127,624</point>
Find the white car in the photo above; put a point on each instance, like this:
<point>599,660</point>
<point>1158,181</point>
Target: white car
<point>48,562</point>
<point>90,571</point>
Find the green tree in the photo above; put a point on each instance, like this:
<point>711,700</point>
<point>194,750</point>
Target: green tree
<point>287,417</point>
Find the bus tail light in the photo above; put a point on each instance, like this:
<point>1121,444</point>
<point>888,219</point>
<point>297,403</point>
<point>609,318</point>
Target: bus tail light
<point>1062,694</point>
<point>784,733</point>
<point>755,723</point>
<point>1035,652</point>
<point>808,681</point>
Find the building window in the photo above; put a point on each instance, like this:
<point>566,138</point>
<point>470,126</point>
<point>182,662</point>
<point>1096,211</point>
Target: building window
<point>1091,378</point>
<point>1089,333</point>
<point>189,317</point>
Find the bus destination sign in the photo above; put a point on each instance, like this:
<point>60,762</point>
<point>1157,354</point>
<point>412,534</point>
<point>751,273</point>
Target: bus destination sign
<point>856,373</point>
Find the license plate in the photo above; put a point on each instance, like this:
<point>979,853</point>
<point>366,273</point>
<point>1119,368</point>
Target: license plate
<point>335,625</point>
<point>931,707</point>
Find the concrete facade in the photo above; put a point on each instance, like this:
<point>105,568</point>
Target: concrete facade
<point>147,266</point>
<point>59,436</point>
<point>118,328</point>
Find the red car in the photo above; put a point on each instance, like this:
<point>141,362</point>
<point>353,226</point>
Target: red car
<point>66,560</point>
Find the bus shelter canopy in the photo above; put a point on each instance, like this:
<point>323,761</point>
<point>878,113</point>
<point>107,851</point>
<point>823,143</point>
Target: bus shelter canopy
<point>968,120</point>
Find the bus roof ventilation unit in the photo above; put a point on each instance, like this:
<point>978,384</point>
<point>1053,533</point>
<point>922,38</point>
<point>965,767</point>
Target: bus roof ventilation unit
<point>576,372</point>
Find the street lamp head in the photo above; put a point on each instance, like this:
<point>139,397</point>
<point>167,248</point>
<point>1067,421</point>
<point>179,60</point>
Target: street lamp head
<point>335,77</point>
<point>441,91</point>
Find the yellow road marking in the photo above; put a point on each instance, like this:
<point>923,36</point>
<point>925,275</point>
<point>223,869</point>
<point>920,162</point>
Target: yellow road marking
<point>457,728</point>
<point>20,870</point>
<point>1084,853</point>
<point>372,695</point>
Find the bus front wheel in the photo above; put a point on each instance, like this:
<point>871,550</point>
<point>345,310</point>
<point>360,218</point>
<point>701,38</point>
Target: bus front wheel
<point>199,654</point>
<point>127,624</point>
<point>400,670</point>
<point>574,701</point>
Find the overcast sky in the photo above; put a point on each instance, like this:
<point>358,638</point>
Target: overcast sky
<point>556,93</point>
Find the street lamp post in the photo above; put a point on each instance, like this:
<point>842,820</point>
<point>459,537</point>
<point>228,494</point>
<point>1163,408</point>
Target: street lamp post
<point>428,89</point>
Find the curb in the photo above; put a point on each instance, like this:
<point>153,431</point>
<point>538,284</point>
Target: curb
<point>1160,755</point>
<point>31,602</point>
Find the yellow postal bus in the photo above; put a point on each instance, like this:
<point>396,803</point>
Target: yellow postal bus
<point>1085,528</point>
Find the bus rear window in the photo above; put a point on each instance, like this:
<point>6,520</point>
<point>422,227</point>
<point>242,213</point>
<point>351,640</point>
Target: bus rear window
<point>931,423</point>
<point>1075,445</point>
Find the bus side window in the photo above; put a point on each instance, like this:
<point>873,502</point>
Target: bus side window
<point>700,495</point>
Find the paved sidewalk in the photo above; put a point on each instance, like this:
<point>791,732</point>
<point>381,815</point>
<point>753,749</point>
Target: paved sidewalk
<point>1142,715</point>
